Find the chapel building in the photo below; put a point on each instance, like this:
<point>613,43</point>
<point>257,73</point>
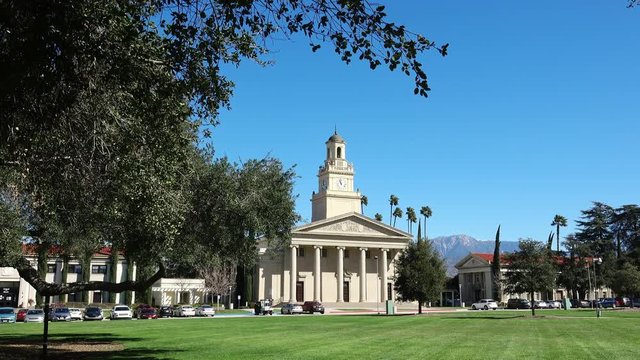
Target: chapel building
<point>342,255</point>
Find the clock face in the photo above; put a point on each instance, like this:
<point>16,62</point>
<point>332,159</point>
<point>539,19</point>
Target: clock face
<point>342,183</point>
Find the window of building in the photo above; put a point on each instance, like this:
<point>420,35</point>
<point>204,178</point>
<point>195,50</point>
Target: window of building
<point>339,152</point>
<point>98,269</point>
<point>346,253</point>
<point>324,253</point>
<point>97,297</point>
<point>301,252</point>
<point>75,269</point>
<point>367,254</point>
<point>51,268</point>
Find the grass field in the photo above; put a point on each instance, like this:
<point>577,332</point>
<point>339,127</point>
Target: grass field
<point>463,335</point>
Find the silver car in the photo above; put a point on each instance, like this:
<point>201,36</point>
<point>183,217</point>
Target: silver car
<point>76,314</point>
<point>34,315</point>
<point>291,309</point>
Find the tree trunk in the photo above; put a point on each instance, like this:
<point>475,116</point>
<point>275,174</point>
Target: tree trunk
<point>65,274</point>
<point>42,270</point>
<point>419,307</point>
<point>533,308</point>
<point>113,277</point>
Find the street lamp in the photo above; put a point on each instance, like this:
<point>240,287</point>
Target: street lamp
<point>377,286</point>
<point>595,282</point>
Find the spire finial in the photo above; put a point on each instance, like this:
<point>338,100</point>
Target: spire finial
<point>335,129</point>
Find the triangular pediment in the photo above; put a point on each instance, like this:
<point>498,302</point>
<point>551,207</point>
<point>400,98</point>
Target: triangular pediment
<point>472,261</point>
<point>351,224</point>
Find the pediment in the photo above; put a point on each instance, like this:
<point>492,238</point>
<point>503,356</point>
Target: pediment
<point>471,261</point>
<point>351,224</point>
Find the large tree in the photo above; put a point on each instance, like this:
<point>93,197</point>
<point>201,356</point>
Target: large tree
<point>411,219</point>
<point>420,273</point>
<point>426,212</point>
<point>102,102</point>
<point>530,270</point>
<point>393,201</point>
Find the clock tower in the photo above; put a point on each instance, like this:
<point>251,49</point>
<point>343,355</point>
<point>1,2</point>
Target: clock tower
<point>335,195</point>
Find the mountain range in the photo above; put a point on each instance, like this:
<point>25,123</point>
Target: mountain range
<point>455,247</point>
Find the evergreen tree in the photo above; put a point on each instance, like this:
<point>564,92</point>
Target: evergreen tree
<point>495,269</point>
<point>420,273</point>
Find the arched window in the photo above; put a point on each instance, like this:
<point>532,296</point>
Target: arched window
<point>339,152</point>
<point>328,153</point>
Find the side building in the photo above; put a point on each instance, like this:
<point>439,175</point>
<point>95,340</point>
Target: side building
<point>16,292</point>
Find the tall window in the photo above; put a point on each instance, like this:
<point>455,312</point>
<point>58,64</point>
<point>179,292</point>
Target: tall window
<point>339,153</point>
<point>324,253</point>
<point>98,269</point>
<point>346,253</point>
<point>75,269</point>
<point>51,268</point>
<point>301,252</point>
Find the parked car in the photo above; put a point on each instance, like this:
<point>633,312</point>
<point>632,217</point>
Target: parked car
<point>21,314</point>
<point>93,313</point>
<point>263,307</point>
<point>34,315</point>
<point>165,311</point>
<point>60,314</point>
<point>7,315</point>
<point>553,304</point>
<point>575,303</point>
<point>121,312</point>
<point>518,304</point>
<point>184,310</point>
<point>608,303</point>
<point>623,301</point>
<point>147,313</point>
<point>76,314</point>
<point>540,304</point>
<point>291,309</point>
<point>484,304</point>
<point>635,302</point>
<point>312,307</point>
<point>205,310</point>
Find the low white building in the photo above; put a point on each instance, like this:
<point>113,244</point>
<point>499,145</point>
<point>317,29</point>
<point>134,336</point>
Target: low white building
<point>171,291</point>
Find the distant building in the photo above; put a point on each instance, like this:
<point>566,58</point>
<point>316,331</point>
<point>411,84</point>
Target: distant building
<point>342,255</point>
<point>475,279</point>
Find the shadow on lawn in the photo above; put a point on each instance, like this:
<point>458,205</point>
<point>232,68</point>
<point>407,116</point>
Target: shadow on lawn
<point>492,317</point>
<point>76,346</point>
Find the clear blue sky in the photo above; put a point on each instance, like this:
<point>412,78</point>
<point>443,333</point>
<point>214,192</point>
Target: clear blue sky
<point>535,112</point>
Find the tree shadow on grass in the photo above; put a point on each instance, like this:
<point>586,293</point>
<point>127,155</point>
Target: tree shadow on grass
<point>76,346</point>
<point>492,317</point>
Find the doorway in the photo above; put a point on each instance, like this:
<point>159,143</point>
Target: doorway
<point>389,291</point>
<point>300,291</point>
<point>345,291</point>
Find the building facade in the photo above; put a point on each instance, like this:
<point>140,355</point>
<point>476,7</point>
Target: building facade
<point>342,255</point>
<point>16,292</point>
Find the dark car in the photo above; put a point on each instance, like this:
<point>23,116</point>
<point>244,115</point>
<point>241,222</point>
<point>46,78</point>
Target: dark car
<point>60,314</point>
<point>312,307</point>
<point>165,311</point>
<point>518,304</point>
<point>147,313</point>
<point>93,313</point>
<point>21,314</point>
<point>608,303</point>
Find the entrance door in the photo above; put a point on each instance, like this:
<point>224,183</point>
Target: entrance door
<point>389,291</point>
<point>345,291</point>
<point>300,291</point>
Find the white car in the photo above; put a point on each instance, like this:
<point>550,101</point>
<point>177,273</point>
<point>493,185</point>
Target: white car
<point>121,312</point>
<point>485,304</point>
<point>291,309</point>
<point>205,310</point>
<point>34,315</point>
<point>184,310</point>
<point>554,304</point>
<point>76,314</point>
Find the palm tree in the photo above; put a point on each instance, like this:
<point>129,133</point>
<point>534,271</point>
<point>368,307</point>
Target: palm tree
<point>426,212</point>
<point>558,221</point>
<point>397,213</point>
<point>411,219</point>
<point>378,217</point>
<point>364,201</point>
<point>393,201</point>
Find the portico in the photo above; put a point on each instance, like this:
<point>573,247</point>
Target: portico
<point>342,255</point>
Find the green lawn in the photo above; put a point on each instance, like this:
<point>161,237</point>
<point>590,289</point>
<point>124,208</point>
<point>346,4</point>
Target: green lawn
<point>463,335</point>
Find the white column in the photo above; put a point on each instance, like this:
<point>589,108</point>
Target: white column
<point>317,274</point>
<point>340,274</point>
<point>383,281</point>
<point>293,274</point>
<point>363,274</point>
